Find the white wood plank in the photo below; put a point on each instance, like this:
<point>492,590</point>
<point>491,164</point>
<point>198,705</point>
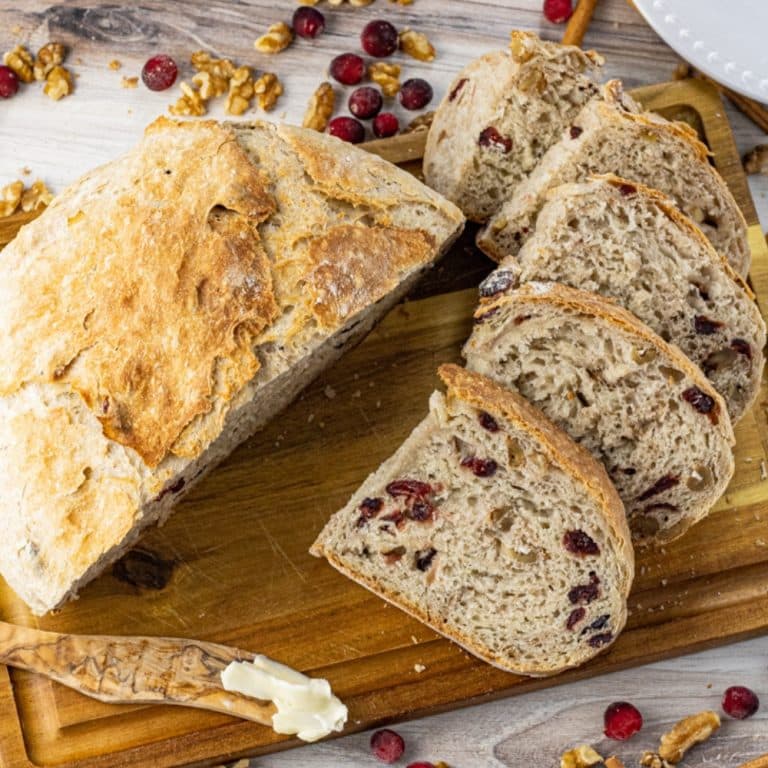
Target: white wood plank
<point>60,141</point>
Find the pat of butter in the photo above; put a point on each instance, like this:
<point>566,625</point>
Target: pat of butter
<point>305,706</point>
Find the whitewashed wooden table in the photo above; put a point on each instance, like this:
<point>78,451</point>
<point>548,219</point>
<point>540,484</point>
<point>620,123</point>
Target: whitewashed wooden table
<point>58,142</point>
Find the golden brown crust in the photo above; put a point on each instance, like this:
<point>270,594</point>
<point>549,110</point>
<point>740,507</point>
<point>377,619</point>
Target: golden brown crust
<point>142,298</point>
<point>674,214</point>
<point>487,395</point>
<point>353,264</point>
<point>607,309</point>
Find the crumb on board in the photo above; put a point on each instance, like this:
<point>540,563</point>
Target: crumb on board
<point>419,668</point>
<point>130,82</point>
<point>115,65</point>
<point>763,472</point>
<point>329,392</point>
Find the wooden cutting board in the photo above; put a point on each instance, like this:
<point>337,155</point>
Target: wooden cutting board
<point>232,566</point>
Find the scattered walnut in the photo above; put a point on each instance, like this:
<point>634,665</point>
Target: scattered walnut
<point>520,46</point>
<point>360,3</point>
<point>320,108</point>
<point>580,757</point>
<point>36,196</point>
<point>308,2</point>
<point>58,83</point>
<point>189,103</point>
<point>268,89</point>
<point>386,76</point>
<point>21,62</point>
<point>277,38</point>
<point>685,734</point>
<point>219,72</point>
<point>114,65</point>
<point>756,160</point>
<point>48,57</point>
<point>130,82</point>
<point>613,762</point>
<point>241,91</point>
<point>209,85</point>
<point>401,2</point>
<point>10,197</point>
<point>420,123</point>
<point>417,45</point>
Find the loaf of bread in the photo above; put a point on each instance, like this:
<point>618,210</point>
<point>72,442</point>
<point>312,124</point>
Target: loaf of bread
<point>608,138</point>
<point>169,304</point>
<point>493,527</point>
<point>635,402</point>
<point>500,115</point>
<point>628,242</point>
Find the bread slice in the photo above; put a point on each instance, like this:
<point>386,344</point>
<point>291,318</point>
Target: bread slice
<point>645,148</point>
<point>493,527</point>
<point>169,304</point>
<point>499,116</point>
<point>637,403</point>
<point>626,241</point>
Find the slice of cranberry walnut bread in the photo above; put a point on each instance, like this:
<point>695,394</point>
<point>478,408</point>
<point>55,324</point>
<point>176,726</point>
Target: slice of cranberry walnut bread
<point>493,527</point>
<point>634,401</point>
<point>609,138</point>
<point>626,241</point>
<point>500,115</point>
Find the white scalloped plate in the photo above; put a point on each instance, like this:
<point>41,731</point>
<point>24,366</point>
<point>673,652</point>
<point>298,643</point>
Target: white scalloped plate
<point>726,39</point>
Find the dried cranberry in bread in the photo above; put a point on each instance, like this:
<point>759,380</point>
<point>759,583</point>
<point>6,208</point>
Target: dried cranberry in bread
<point>166,306</point>
<point>646,148</point>
<point>493,527</point>
<point>500,115</point>
<point>634,401</point>
<point>628,242</point>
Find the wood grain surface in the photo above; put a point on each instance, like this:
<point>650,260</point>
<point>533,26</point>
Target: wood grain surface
<point>218,556</point>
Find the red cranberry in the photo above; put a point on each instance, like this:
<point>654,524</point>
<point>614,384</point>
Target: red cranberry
<point>622,720</point>
<point>365,102</point>
<point>580,543</point>
<point>598,641</point>
<point>577,615</point>
<point>742,347</point>
<point>480,467</point>
<point>701,401</point>
<point>348,68</point>
<point>661,485</point>
<point>575,131</point>
<point>705,326</point>
<point>385,125</point>
<point>308,22</point>
<point>740,702</point>
<point>585,593</point>
<point>415,93</point>
<point>387,745</point>
<point>159,73</point>
<point>379,38</point>
<point>9,83</point>
<point>408,488</point>
<point>492,139</point>
<point>558,11</point>
<point>424,558</point>
<point>627,190</point>
<point>347,129</point>
<point>487,421</point>
<point>457,89</point>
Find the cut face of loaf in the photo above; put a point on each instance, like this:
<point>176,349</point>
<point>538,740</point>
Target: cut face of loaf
<point>642,147</point>
<point>634,401</point>
<point>500,115</point>
<point>493,527</point>
<point>169,304</point>
<point>623,240</point>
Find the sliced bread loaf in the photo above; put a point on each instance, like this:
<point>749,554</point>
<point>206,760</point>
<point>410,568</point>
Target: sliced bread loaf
<point>500,115</point>
<point>624,240</point>
<point>637,403</point>
<point>166,306</point>
<point>607,138</point>
<point>493,527</point>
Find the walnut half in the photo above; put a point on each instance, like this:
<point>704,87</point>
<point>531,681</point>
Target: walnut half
<point>277,38</point>
<point>685,734</point>
<point>580,757</point>
<point>320,108</point>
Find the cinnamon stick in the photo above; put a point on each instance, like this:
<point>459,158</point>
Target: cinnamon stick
<point>579,21</point>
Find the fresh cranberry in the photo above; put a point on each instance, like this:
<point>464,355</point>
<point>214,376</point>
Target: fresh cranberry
<point>487,421</point>
<point>740,702</point>
<point>705,326</point>
<point>348,68</point>
<point>379,38</point>
<point>385,125</point>
<point>159,73</point>
<point>491,138</point>
<point>580,543</point>
<point>480,467</point>
<point>365,102</point>
<point>387,745</point>
<point>558,11</point>
<point>415,93</point>
<point>308,22</point>
<point>9,83</point>
<point>622,720</point>
<point>347,129</point>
